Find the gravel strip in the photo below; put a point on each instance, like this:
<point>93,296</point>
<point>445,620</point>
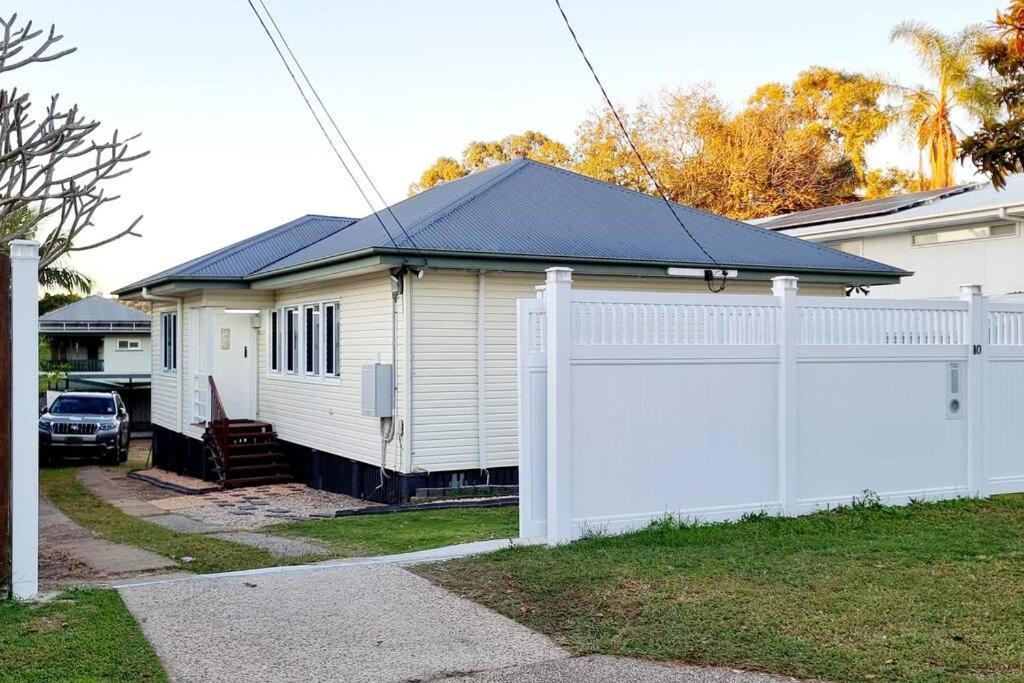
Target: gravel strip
<point>366,623</point>
<point>252,508</point>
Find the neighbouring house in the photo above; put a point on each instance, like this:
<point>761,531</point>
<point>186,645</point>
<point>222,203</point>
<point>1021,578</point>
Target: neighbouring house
<point>286,321</point>
<point>98,344</point>
<point>970,233</point>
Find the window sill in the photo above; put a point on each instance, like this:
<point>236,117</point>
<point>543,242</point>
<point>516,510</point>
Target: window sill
<point>303,379</point>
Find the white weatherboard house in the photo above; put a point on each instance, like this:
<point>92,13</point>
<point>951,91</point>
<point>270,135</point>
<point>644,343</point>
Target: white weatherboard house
<point>285,321</point>
<point>970,233</point>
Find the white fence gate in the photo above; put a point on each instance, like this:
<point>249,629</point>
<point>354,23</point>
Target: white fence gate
<point>637,405</point>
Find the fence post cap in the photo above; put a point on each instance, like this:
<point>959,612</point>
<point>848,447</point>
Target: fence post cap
<point>781,283</point>
<point>559,274</point>
<point>24,250</point>
<point>968,290</point>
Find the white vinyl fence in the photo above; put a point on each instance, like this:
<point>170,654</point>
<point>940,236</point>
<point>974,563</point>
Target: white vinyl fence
<point>637,405</point>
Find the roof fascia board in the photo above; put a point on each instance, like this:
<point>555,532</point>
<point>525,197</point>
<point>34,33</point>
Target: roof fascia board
<point>180,285</point>
<point>339,269</point>
<point>598,267</point>
<point>949,219</point>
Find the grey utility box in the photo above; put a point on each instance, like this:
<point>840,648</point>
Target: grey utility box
<point>378,390</point>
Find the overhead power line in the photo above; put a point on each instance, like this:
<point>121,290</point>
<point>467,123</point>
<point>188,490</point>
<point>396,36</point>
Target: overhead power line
<point>334,125</point>
<point>636,152</point>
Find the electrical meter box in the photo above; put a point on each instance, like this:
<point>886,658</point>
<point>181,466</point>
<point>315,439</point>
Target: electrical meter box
<point>378,390</point>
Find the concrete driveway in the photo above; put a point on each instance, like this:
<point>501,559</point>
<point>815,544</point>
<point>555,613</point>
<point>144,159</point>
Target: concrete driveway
<point>369,622</point>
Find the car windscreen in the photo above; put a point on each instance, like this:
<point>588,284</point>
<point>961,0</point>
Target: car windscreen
<point>83,405</point>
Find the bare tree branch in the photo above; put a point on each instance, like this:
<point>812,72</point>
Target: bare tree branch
<point>53,165</point>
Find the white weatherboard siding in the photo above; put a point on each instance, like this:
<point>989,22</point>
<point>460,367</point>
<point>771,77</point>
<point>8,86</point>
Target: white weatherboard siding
<point>164,391</point>
<point>127,362</point>
<point>325,415</point>
<point>445,342</point>
<point>940,269</point>
<point>445,425</point>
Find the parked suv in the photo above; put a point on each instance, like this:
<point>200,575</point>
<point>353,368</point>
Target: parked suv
<point>85,422</point>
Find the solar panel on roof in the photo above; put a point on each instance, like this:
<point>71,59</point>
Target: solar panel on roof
<point>862,209</point>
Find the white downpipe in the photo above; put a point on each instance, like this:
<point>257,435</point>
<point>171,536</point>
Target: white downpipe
<point>481,372</point>
<point>178,339</point>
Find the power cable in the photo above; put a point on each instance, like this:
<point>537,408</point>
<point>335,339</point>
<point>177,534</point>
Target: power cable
<point>629,140</point>
<point>337,129</point>
<point>320,124</point>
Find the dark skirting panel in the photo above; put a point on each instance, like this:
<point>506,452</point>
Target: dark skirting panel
<point>178,453</point>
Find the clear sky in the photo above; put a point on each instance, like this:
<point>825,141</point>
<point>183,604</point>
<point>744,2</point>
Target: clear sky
<point>235,152</point>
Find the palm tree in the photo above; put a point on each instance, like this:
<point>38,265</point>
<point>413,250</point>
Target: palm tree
<point>952,61</point>
<point>53,276</point>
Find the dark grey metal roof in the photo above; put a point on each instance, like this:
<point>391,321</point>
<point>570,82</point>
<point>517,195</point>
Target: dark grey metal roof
<point>526,208</point>
<point>94,309</point>
<point>863,209</point>
<point>251,254</point>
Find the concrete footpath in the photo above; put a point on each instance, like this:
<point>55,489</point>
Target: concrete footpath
<point>358,621</point>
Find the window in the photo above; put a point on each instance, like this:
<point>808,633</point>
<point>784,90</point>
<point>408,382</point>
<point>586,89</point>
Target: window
<point>129,345</point>
<point>291,339</point>
<point>311,338</point>
<point>332,341</point>
<point>855,247</point>
<point>275,341</point>
<point>306,340</point>
<point>962,234</point>
<point>169,339</point>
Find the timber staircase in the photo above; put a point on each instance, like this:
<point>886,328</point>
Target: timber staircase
<point>243,452</point>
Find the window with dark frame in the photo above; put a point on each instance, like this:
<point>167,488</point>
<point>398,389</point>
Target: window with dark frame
<point>332,339</point>
<point>169,339</point>
<point>311,338</point>
<point>291,324</point>
<point>275,342</point>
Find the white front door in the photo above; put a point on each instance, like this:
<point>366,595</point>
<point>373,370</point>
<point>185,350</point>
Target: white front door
<point>233,362</point>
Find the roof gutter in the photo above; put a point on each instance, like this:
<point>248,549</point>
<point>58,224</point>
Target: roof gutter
<point>424,257</point>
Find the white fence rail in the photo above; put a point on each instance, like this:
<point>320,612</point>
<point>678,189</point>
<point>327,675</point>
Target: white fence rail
<point>637,405</point>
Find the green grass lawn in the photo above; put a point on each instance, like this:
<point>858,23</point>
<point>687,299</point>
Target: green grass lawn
<point>341,537</point>
<point>925,592</point>
<point>81,635</point>
<point>403,532</point>
<point>106,521</point>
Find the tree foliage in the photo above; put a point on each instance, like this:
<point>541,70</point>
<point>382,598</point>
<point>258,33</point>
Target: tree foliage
<point>790,147</point>
<point>952,63</point>
<point>997,148</point>
<point>51,302</point>
<point>480,155</point>
<point>57,275</point>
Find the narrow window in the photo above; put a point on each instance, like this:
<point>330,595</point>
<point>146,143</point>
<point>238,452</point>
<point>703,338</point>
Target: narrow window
<point>332,341</point>
<point>275,343</point>
<point>311,328</point>
<point>291,331</point>
<point>169,339</point>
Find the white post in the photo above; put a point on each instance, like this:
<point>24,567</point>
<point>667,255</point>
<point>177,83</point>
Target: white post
<point>785,288</point>
<point>977,362</point>
<point>24,416</point>
<point>557,304</point>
